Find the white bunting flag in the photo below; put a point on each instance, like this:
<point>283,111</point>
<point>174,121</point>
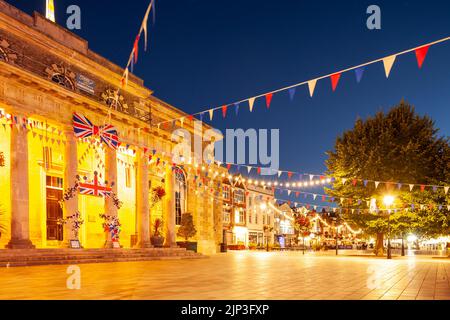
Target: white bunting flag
<point>145,23</point>
<point>377,183</point>
<point>448,208</point>
<point>249,169</point>
<point>182,122</point>
<point>251,102</point>
<point>312,87</point>
<point>289,192</point>
<point>280,173</point>
<point>311,177</point>
<point>411,187</point>
<point>388,63</point>
<point>344,180</point>
<point>315,196</point>
<point>446,189</point>
<point>211,114</point>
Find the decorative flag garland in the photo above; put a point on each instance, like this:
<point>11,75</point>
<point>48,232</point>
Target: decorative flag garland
<point>388,63</point>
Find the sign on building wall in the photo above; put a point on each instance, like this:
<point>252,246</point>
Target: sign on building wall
<point>85,84</point>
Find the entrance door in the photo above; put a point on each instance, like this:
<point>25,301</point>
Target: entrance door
<point>54,210</point>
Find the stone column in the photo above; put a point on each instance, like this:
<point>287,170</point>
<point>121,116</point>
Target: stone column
<point>142,205</point>
<point>70,173</point>
<point>20,214</point>
<point>169,209</point>
<point>110,176</point>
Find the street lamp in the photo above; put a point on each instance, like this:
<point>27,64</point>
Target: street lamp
<point>388,201</point>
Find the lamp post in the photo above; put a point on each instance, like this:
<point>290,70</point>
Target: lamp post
<point>388,201</point>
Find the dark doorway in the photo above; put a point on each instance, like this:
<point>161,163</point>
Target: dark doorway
<point>54,210</point>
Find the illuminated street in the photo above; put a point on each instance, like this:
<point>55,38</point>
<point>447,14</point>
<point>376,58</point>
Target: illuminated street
<point>239,275</point>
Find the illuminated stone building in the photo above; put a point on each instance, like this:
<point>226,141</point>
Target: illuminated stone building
<point>46,75</point>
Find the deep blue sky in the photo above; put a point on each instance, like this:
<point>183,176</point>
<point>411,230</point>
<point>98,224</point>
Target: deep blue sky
<point>207,53</point>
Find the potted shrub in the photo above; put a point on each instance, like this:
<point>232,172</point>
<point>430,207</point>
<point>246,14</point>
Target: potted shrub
<point>187,230</point>
<point>157,239</point>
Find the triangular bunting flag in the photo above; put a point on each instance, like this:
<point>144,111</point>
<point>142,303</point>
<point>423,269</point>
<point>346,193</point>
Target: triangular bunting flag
<point>292,93</point>
<point>224,111</point>
<point>211,114</point>
<point>359,74</point>
<point>421,54</point>
<point>251,102</point>
<point>280,173</point>
<point>411,187</point>
<point>145,23</point>
<point>446,189</point>
<point>388,63</point>
<point>377,183</point>
<point>335,80</point>
<point>236,106</point>
<point>249,169</point>
<point>269,97</point>
<point>312,87</point>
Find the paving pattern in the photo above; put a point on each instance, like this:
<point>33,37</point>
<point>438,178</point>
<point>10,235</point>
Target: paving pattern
<point>239,275</point>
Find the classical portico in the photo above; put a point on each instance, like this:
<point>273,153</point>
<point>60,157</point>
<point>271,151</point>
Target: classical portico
<point>43,156</point>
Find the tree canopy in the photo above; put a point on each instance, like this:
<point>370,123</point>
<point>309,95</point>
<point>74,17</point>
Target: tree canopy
<point>399,146</point>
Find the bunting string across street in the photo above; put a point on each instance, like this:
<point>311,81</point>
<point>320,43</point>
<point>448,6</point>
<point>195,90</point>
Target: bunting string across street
<point>388,63</point>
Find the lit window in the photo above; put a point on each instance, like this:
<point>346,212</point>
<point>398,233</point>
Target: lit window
<point>226,215</point>
<point>226,192</point>
<point>239,196</point>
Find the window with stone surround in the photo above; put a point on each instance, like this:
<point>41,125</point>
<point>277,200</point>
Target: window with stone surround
<point>226,192</point>
<point>180,194</point>
<point>239,196</point>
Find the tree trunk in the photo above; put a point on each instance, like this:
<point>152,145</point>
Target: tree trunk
<point>379,247</point>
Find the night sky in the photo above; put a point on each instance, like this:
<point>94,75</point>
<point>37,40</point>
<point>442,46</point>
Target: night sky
<point>207,53</point>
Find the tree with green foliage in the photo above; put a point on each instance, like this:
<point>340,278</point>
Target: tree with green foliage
<point>187,229</point>
<point>397,147</point>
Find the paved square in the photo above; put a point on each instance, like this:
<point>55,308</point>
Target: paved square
<point>239,275</point>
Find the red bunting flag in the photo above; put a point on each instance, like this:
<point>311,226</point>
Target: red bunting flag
<point>335,80</point>
<point>191,117</point>
<point>136,48</point>
<point>421,54</point>
<point>228,167</point>
<point>297,194</point>
<point>290,174</point>
<point>354,182</point>
<point>224,111</point>
<point>422,188</point>
<point>323,199</point>
<point>269,97</point>
<point>259,170</point>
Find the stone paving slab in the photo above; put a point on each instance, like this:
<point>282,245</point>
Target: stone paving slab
<point>239,275</point>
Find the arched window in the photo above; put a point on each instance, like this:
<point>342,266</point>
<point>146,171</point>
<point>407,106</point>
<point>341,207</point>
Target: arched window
<point>180,194</point>
<point>63,80</point>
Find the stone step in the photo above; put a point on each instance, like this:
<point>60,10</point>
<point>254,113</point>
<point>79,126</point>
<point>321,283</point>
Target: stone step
<point>91,261</point>
<point>70,256</point>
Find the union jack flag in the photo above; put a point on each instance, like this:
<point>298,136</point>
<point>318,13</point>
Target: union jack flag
<point>94,188</point>
<point>84,128</point>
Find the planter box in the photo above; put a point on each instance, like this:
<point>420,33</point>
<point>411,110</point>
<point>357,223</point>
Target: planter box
<point>157,242</point>
<point>236,247</point>
<point>191,246</point>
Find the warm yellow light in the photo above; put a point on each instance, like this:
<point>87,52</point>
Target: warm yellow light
<point>388,200</point>
<point>263,206</point>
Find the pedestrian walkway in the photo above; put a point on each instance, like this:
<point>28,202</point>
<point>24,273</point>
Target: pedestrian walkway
<point>239,275</point>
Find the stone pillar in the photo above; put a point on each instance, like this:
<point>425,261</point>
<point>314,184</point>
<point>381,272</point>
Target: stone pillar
<point>169,209</point>
<point>20,214</point>
<point>142,205</point>
<point>110,176</point>
<point>70,173</point>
